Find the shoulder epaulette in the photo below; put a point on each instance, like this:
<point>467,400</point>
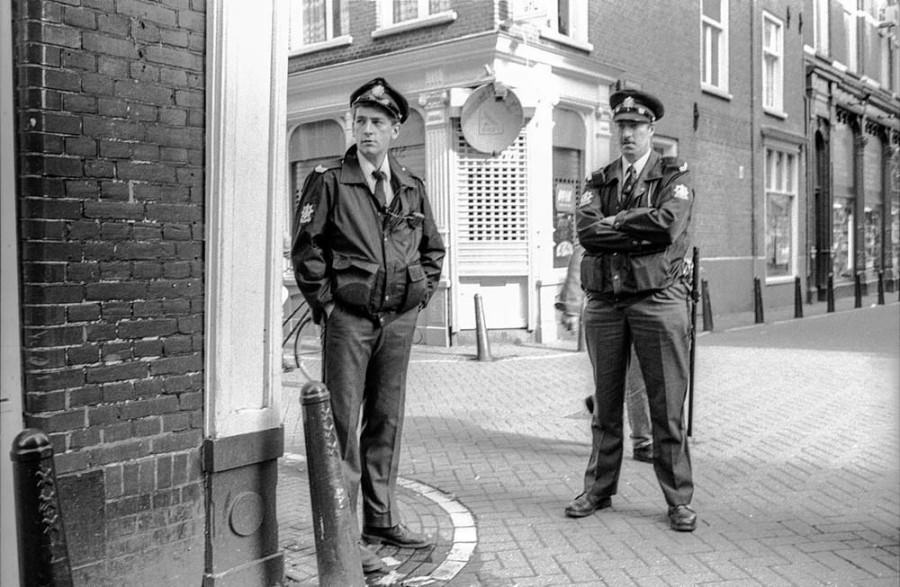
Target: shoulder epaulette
<point>674,164</point>
<point>597,178</point>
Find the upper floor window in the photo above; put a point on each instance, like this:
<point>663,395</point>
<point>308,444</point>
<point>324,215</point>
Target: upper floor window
<point>773,64</point>
<point>396,16</point>
<point>822,18</point>
<point>714,45</point>
<point>851,28</point>
<point>568,18</point>
<point>317,22</point>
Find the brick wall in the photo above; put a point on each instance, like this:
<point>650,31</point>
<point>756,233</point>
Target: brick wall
<point>110,103</point>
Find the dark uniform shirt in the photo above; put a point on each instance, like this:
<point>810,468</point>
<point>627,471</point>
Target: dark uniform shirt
<point>350,250</point>
<point>644,248</point>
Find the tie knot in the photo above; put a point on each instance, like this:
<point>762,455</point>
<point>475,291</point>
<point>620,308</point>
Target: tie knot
<point>378,174</point>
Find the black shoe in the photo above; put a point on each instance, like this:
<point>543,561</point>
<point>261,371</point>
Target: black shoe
<point>682,518</point>
<point>584,505</point>
<point>643,454</point>
<point>371,563</point>
<point>399,535</point>
<point>589,404</point>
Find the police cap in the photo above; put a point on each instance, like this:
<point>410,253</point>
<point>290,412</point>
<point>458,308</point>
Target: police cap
<point>379,93</point>
<point>636,106</point>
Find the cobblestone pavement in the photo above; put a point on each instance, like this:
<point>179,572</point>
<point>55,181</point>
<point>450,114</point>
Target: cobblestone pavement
<point>796,453</point>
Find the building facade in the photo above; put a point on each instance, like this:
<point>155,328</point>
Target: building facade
<point>746,122</point>
<point>142,155</point>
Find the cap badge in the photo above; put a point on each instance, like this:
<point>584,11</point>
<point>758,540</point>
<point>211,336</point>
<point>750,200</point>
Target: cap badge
<point>628,102</point>
<point>378,91</point>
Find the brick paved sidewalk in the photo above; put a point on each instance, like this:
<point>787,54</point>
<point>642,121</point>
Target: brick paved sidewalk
<point>795,448</point>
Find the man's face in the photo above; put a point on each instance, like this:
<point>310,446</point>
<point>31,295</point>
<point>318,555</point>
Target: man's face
<point>374,130</point>
<point>634,138</point>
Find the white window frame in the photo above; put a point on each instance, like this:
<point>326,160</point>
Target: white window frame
<point>706,51</point>
<point>851,29</point>
<point>788,187</point>
<point>296,45</point>
<point>773,66</point>
<point>577,35</point>
<point>387,26</point>
<point>822,22</point>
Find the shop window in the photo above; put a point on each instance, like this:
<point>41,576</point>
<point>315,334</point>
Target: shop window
<point>842,250</point>
<point>773,64</point>
<point>569,138</point>
<point>317,24</point>
<point>714,45</point>
<point>409,148</point>
<point>781,213</point>
<point>313,144</point>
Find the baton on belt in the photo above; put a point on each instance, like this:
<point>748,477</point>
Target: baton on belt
<point>695,299</point>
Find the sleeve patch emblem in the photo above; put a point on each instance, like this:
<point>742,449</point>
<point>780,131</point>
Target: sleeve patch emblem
<point>586,198</point>
<point>682,192</point>
<point>306,213</point>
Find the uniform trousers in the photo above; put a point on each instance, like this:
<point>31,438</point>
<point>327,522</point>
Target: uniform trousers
<point>637,407</point>
<point>364,369</point>
<point>658,326</point>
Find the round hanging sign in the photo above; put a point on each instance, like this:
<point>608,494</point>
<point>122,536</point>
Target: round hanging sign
<point>491,118</point>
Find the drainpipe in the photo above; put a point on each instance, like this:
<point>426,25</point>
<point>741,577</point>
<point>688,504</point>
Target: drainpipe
<point>753,153</point>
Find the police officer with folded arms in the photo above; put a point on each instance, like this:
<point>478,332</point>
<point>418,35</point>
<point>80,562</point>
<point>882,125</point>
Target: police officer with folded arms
<point>633,221</point>
<point>367,257</point>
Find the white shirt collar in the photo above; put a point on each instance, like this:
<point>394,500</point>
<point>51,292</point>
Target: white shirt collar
<point>367,168</point>
<point>638,165</point>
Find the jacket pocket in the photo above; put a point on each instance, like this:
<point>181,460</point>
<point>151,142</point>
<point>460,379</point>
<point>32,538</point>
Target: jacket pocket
<point>591,273</point>
<point>354,281</point>
<point>416,287</point>
<point>650,271</point>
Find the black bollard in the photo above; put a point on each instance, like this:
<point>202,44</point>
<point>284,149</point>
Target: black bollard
<point>43,551</point>
<point>336,534</point>
<point>829,293</point>
<point>798,299</point>
<point>857,290</point>
<point>881,288</point>
<point>758,314</point>
<point>707,306</point>
<point>484,345</point>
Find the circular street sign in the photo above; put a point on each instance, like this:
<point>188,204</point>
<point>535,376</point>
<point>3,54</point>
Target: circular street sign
<point>491,118</point>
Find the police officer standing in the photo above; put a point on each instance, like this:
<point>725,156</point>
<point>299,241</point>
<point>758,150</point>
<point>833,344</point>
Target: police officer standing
<point>367,257</point>
<point>633,222</point>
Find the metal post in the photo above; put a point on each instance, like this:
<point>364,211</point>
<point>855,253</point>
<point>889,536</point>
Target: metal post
<point>759,315</point>
<point>707,306</point>
<point>829,292</point>
<point>798,299</point>
<point>337,540</point>
<point>43,552</point>
<point>881,288</point>
<point>857,290</point>
<point>484,345</point>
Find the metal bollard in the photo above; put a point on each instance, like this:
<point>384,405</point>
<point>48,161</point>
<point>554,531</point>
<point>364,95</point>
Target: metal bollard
<point>857,290</point>
<point>830,293</point>
<point>881,288</point>
<point>758,313</point>
<point>798,299</point>
<point>43,551</point>
<point>337,541</point>
<point>484,345</point>
<point>707,306</point>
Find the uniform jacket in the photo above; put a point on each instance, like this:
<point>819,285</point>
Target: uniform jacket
<point>346,249</point>
<point>644,247</point>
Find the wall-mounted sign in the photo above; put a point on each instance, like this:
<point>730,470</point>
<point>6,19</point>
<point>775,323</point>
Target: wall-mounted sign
<point>491,118</point>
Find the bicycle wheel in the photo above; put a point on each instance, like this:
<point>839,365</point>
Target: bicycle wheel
<point>308,348</point>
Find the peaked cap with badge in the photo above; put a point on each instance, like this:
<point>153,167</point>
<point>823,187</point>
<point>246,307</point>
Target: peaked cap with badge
<point>636,106</point>
<point>379,93</point>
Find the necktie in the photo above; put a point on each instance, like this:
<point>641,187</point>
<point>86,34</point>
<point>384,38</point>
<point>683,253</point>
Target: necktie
<point>379,187</point>
<point>628,185</point>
